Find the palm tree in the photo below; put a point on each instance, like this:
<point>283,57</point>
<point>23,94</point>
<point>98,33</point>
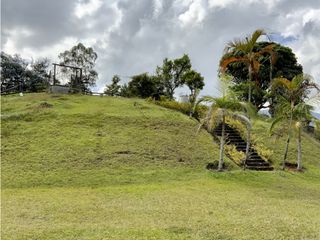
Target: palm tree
<point>221,108</point>
<point>299,116</point>
<point>248,56</point>
<point>293,93</point>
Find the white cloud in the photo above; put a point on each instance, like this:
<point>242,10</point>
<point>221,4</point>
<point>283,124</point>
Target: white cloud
<point>195,14</point>
<point>131,37</point>
<point>87,8</point>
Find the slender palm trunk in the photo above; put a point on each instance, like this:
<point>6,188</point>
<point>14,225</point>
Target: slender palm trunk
<point>222,139</point>
<point>247,147</point>
<point>299,162</point>
<point>250,81</point>
<point>287,143</point>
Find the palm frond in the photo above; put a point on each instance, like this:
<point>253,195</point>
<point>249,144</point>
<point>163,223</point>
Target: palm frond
<point>235,46</point>
<point>242,119</point>
<point>281,82</point>
<point>224,64</point>
<point>257,34</point>
<point>275,122</point>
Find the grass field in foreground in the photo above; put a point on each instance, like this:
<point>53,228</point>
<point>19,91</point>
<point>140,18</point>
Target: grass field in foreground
<point>87,167</point>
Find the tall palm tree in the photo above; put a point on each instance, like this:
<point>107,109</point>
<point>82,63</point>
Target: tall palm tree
<point>221,108</point>
<point>293,93</point>
<point>248,56</point>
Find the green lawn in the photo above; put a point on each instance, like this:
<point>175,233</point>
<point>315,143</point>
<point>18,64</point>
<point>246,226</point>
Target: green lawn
<point>87,167</point>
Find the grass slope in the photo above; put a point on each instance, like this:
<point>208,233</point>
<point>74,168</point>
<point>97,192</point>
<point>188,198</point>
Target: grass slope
<point>87,167</point>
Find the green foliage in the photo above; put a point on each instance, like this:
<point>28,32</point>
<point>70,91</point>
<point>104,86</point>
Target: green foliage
<point>285,65</point>
<point>317,129</point>
<point>144,86</point>
<point>237,156</point>
<point>114,88</point>
<point>171,74</point>
<point>199,111</point>
<point>82,57</point>
<point>261,149</point>
<point>17,75</point>
<point>124,91</point>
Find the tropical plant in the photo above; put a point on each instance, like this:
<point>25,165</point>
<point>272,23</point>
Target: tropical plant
<point>299,115</point>
<point>286,66</point>
<point>291,107</point>
<point>243,51</point>
<point>219,109</point>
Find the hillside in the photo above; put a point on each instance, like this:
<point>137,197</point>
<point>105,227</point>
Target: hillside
<point>85,167</point>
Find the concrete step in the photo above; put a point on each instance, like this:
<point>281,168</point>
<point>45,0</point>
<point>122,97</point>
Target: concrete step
<point>251,163</point>
<point>262,168</point>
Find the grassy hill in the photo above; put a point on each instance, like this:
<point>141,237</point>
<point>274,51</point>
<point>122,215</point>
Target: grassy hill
<point>84,167</point>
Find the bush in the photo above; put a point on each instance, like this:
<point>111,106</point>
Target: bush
<point>237,156</point>
<point>181,107</point>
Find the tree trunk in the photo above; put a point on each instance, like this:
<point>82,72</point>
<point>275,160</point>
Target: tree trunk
<point>299,162</point>
<point>247,147</point>
<point>287,143</point>
<point>271,68</point>
<point>220,166</point>
<point>192,103</point>
<point>250,81</point>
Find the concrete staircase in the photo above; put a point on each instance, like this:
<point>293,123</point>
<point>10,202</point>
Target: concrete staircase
<point>255,162</point>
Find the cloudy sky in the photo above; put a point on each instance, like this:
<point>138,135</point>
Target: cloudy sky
<point>133,36</point>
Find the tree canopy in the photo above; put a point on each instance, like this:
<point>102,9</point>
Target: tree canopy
<point>285,65</point>
<point>171,73</point>
<point>82,57</point>
<point>17,74</point>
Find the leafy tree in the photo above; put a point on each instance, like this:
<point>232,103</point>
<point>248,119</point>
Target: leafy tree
<point>16,76</point>
<point>171,74</point>
<point>143,86</point>
<point>124,91</point>
<point>114,88</point>
<point>195,82</point>
<point>37,79</point>
<point>292,97</point>
<point>285,66</point>
<point>243,51</point>
<point>82,57</point>
<point>13,70</point>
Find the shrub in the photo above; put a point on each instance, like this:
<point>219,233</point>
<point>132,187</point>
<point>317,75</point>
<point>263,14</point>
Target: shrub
<point>263,151</point>
<point>237,156</point>
<point>181,107</point>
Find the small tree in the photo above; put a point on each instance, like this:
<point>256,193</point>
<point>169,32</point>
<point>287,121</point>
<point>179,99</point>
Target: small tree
<point>219,109</point>
<point>171,74</point>
<point>143,86</point>
<point>37,79</point>
<point>299,115</point>
<point>293,93</point>
<point>195,83</point>
<point>114,88</point>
